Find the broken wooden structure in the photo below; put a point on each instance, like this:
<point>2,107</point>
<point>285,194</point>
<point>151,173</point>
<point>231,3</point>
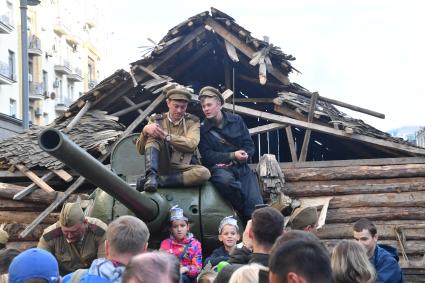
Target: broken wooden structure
<point>321,150</point>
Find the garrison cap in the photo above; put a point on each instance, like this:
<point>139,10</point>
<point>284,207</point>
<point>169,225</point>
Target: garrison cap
<point>210,91</point>
<point>4,236</point>
<point>180,93</point>
<point>71,214</point>
<point>303,216</point>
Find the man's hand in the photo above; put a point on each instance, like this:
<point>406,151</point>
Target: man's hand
<point>154,131</point>
<point>241,155</point>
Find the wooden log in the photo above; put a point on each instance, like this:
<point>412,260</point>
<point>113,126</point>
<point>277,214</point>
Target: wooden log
<point>265,128</point>
<point>26,217</point>
<point>379,200</point>
<point>22,246</point>
<point>13,205</point>
<point>33,177</point>
<point>354,172</point>
<point>348,187</point>
<point>412,247</point>
<point>7,191</point>
<point>14,229</point>
<point>386,230</point>
<point>348,215</point>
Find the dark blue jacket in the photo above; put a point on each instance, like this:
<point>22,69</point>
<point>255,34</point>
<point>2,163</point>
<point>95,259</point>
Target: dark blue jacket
<point>234,131</point>
<point>218,255</point>
<point>386,266</point>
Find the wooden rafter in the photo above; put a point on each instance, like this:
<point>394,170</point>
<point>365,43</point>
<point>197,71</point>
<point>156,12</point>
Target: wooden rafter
<point>291,143</point>
<point>304,148</point>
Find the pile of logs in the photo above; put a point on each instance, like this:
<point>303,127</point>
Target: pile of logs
<point>17,214</point>
<point>392,196</point>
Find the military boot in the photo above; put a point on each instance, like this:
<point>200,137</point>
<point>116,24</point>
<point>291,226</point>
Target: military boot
<point>170,181</point>
<point>151,167</point>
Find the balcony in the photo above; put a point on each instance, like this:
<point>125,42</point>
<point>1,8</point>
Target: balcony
<point>5,24</point>
<point>62,104</point>
<point>36,91</point>
<point>60,27</point>
<point>7,76</point>
<point>63,68</point>
<point>92,84</point>
<point>76,76</point>
<point>34,46</point>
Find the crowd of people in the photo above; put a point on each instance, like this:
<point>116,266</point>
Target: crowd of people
<point>84,249</point>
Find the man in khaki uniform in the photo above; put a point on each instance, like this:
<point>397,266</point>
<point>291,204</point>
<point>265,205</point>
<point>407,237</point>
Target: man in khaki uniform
<point>75,240</point>
<point>169,142</point>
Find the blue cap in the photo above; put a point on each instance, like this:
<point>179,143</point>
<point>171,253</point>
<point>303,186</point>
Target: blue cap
<point>176,213</point>
<point>34,263</point>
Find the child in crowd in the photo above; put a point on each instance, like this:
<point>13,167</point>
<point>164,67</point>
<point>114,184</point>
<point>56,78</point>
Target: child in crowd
<point>228,234</point>
<point>183,245</point>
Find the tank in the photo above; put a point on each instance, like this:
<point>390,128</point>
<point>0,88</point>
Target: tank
<point>118,196</point>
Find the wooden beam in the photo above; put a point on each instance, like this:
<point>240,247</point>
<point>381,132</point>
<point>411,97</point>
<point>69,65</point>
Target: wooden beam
<point>130,109</point>
<point>131,103</point>
<point>172,51</point>
<point>31,188</point>
<point>254,100</point>
<point>343,163</point>
<point>231,51</point>
<point>265,128</point>
<point>33,177</point>
<point>77,118</point>
<point>243,47</point>
<point>227,94</point>
<point>324,129</point>
<point>291,144</point>
<point>63,175</point>
<point>307,134</point>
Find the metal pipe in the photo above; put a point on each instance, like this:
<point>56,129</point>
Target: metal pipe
<point>60,146</point>
<point>24,53</point>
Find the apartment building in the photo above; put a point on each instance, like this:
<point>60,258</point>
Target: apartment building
<point>65,42</point>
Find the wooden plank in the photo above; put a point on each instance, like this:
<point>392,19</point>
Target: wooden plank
<point>265,128</point>
<point>227,94</point>
<point>131,108</point>
<point>231,51</point>
<point>33,177</point>
<point>243,47</point>
<point>254,100</point>
<point>63,175</point>
<point>352,162</point>
<point>131,103</point>
<point>324,129</point>
<point>307,134</point>
<point>32,187</point>
<point>291,144</point>
<point>77,118</point>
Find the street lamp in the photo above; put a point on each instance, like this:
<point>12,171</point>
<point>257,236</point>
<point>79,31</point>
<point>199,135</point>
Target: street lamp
<point>24,51</point>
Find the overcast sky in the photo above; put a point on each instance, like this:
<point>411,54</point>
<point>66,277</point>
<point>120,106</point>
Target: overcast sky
<point>367,53</point>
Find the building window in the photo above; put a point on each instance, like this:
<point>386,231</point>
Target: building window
<point>45,83</point>
<point>13,108</point>
<point>12,74</point>
<point>46,118</point>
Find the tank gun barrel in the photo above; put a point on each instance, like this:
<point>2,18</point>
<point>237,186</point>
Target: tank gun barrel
<point>60,146</point>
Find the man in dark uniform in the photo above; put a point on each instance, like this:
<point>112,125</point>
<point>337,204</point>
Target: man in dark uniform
<point>75,240</point>
<point>169,142</point>
<point>225,147</point>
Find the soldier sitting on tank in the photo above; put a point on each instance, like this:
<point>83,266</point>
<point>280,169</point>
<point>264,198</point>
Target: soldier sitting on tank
<point>75,240</point>
<point>169,142</point>
<point>226,147</point>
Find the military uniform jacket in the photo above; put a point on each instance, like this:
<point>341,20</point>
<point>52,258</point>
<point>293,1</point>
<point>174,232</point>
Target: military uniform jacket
<point>76,255</point>
<point>234,132</point>
<point>184,135</point>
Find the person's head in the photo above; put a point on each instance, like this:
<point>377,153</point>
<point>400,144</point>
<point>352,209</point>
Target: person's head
<point>304,218</point>
<point>300,261</point>
<point>35,265</point>
<point>177,101</point>
<point>247,274</point>
<point>154,267</point>
<point>294,235</point>
<point>179,224</point>
<point>364,231</point>
<point>126,237</point>
<point>350,263</point>
<point>211,101</point>
<point>73,222</point>
<point>207,276</point>
<point>228,232</point>
<point>266,226</point>
<point>4,237</point>
<point>6,257</point>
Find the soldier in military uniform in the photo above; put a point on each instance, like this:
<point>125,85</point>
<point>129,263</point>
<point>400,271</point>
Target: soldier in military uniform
<point>169,142</point>
<point>75,240</point>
